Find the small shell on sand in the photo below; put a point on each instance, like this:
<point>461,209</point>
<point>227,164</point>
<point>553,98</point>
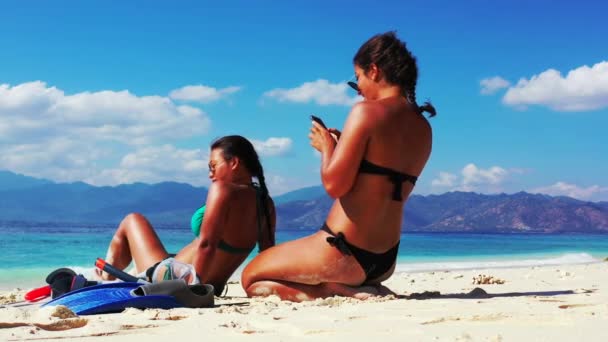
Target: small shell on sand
<point>483,279</point>
<point>11,297</point>
<point>60,311</point>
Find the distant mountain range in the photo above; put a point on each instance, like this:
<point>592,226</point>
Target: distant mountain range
<point>472,212</point>
<point>30,200</point>
<point>26,199</point>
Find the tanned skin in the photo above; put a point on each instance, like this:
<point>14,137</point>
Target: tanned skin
<point>230,215</point>
<point>386,130</point>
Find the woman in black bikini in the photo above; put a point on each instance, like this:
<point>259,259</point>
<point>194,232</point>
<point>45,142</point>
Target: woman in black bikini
<point>238,214</point>
<point>370,169</point>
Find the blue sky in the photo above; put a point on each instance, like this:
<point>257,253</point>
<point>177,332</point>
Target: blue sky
<point>112,92</point>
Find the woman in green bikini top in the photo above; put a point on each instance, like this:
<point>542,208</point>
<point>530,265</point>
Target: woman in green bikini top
<point>197,220</point>
<point>237,214</point>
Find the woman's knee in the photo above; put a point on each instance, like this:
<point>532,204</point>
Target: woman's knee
<point>130,224</point>
<point>249,275</point>
<point>132,220</point>
<point>134,217</point>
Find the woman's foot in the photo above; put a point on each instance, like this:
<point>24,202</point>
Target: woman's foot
<point>101,275</point>
<point>302,292</point>
<point>359,292</point>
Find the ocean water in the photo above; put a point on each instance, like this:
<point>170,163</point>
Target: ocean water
<point>28,254</point>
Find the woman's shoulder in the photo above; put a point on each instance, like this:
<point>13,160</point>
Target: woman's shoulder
<point>366,106</point>
<point>222,189</point>
<point>229,189</point>
<point>371,109</point>
<point>366,114</point>
<point>362,110</point>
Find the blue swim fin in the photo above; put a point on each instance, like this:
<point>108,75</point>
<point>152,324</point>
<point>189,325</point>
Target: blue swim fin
<point>112,297</point>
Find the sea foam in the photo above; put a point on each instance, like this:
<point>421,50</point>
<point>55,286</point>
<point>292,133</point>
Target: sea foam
<point>564,259</point>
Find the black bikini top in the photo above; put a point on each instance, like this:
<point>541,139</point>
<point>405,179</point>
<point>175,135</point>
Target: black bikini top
<point>397,178</point>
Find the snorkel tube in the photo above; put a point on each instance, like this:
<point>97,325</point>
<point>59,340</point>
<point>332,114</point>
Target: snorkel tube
<point>124,276</point>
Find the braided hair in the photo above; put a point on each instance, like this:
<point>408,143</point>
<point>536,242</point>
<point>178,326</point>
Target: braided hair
<point>397,63</point>
<point>239,146</point>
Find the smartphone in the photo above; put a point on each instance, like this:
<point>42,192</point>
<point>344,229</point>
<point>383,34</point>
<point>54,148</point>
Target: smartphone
<point>318,120</point>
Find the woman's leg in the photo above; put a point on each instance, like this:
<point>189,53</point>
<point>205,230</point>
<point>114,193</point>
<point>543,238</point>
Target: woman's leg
<point>301,292</point>
<point>304,269</point>
<point>136,240</point>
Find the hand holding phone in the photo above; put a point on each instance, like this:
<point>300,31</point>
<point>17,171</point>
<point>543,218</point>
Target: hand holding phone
<point>318,120</point>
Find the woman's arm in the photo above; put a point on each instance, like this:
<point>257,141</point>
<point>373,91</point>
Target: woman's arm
<point>215,216</point>
<point>340,162</point>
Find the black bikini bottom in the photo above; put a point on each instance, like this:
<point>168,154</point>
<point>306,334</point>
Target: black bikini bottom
<point>374,264</point>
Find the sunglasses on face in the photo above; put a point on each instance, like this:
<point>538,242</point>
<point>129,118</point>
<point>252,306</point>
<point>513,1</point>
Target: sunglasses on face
<point>213,166</point>
<point>354,85</point>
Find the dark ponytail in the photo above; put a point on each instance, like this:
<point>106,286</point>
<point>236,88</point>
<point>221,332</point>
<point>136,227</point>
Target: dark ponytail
<point>238,146</point>
<point>259,174</point>
<point>397,63</point>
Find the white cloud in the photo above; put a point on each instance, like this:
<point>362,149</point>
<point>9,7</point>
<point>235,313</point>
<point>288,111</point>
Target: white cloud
<point>571,190</point>
<point>47,133</point>
<point>60,159</point>
<point>321,92</point>
<point>473,178</point>
<point>273,146</point>
<point>472,175</point>
<point>584,88</point>
<point>493,84</point>
<point>278,185</point>
<point>33,112</point>
<point>28,98</point>
<point>492,180</point>
<point>156,164</point>
<point>201,93</point>
<point>445,179</point>
<point>68,160</point>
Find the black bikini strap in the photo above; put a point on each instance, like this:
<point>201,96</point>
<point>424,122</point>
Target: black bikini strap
<point>397,186</point>
<point>397,179</point>
<point>337,240</point>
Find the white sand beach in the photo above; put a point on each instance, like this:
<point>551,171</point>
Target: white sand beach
<point>549,303</point>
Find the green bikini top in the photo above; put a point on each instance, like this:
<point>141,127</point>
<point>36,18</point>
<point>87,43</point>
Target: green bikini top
<point>197,220</point>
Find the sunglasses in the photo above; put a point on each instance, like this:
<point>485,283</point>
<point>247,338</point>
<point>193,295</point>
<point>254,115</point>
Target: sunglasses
<point>354,85</point>
<point>212,167</point>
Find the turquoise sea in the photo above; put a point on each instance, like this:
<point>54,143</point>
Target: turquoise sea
<point>29,253</point>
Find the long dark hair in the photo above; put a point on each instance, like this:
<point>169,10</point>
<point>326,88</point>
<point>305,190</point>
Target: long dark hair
<point>238,146</point>
<point>397,63</point>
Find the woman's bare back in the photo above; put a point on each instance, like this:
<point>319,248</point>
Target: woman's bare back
<point>401,141</point>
